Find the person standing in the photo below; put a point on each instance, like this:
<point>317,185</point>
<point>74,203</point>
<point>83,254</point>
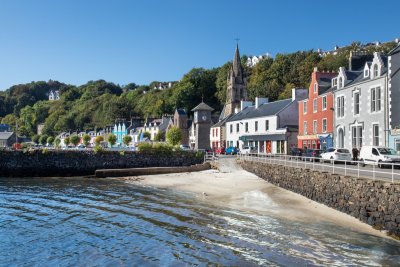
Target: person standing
<point>355,154</point>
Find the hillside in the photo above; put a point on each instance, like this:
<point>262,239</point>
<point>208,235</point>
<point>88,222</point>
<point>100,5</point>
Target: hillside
<point>99,103</point>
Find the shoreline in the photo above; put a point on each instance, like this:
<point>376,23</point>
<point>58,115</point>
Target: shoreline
<point>236,188</point>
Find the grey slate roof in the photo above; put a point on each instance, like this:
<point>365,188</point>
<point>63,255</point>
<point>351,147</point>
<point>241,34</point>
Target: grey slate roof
<point>222,122</point>
<point>6,135</point>
<point>181,111</point>
<point>395,50</point>
<point>203,106</point>
<point>267,109</point>
<point>324,84</point>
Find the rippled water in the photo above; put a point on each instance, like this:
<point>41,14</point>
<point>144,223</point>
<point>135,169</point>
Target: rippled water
<point>89,222</point>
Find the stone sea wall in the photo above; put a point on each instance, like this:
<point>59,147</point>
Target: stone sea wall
<point>76,163</point>
<point>376,203</point>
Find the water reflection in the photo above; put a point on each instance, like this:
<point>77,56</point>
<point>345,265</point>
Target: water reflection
<point>89,222</point>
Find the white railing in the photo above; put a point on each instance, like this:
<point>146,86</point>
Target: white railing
<point>210,156</point>
<point>388,171</point>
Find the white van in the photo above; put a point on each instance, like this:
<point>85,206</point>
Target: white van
<point>376,155</point>
<point>248,150</point>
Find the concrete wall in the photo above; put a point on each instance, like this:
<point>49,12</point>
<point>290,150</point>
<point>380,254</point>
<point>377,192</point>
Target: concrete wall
<point>75,163</point>
<point>372,202</point>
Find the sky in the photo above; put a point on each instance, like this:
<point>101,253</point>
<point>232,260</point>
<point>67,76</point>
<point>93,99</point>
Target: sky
<point>74,41</point>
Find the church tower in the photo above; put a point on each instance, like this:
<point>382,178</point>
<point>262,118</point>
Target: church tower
<point>237,86</point>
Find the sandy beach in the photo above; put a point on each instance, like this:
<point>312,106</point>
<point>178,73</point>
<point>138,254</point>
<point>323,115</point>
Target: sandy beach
<point>234,187</point>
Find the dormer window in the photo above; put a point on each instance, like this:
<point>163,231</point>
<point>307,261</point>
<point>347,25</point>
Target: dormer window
<point>315,88</point>
<point>334,82</point>
<point>366,73</point>
<point>340,82</point>
<point>376,73</point>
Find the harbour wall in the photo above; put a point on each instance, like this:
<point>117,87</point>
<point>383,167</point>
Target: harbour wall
<point>76,163</point>
<point>376,203</point>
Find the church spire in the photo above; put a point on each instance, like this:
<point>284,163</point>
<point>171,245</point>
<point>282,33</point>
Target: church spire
<point>237,66</point>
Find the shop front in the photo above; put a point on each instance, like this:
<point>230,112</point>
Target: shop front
<point>266,144</point>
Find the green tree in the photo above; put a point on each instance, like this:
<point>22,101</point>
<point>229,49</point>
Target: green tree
<point>127,140</point>
<point>50,140</point>
<point>75,139</point>
<point>159,136</point>
<point>147,134</point>
<point>98,140</point>
<point>112,139</point>
<point>36,138</point>
<point>86,139</point>
<point>67,141</point>
<point>174,136</point>
<point>57,142</point>
<point>43,139</point>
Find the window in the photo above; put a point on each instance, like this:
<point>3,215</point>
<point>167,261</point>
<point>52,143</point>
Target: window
<point>280,147</point>
<point>340,139</point>
<point>334,82</point>
<point>315,88</point>
<point>366,73</point>
<point>231,128</point>
<point>356,103</point>
<point>246,127</point>
<point>305,127</point>
<point>376,73</point>
<point>267,125</point>
<point>324,103</point>
<point>324,125</point>
<point>256,126</point>
<point>314,126</point>
<point>340,82</point>
<point>305,107</point>
<point>356,134</point>
<point>237,127</point>
<point>375,132</point>
<point>375,99</point>
<point>315,105</point>
<point>340,106</point>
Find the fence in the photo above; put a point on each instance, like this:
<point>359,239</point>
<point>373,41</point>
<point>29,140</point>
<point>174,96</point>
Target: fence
<point>387,172</point>
<point>210,156</point>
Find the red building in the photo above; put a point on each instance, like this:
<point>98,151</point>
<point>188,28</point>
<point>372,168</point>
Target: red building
<point>316,112</point>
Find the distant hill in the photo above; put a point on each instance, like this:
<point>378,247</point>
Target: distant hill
<point>99,103</point>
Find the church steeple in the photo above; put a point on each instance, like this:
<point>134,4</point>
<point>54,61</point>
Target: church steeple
<point>237,66</point>
<point>237,84</point>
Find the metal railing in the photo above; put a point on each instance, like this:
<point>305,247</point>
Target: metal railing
<point>378,171</point>
<point>210,156</point>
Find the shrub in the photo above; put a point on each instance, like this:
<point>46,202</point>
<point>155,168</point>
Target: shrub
<point>112,139</point>
<point>160,148</point>
<point>75,139</point>
<point>50,140</point>
<point>43,139</point>
<point>98,140</point>
<point>57,142</point>
<point>67,141</point>
<point>174,136</point>
<point>127,140</point>
<point>98,149</point>
<point>86,139</point>
<point>45,151</point>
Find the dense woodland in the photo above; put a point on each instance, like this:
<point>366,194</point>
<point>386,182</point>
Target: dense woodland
<point>100,103</point>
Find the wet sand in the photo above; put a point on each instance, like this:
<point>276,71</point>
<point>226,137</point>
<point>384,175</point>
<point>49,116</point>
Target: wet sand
<point>234,187</point>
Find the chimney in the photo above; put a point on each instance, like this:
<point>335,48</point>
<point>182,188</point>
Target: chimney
<point>237,110</point>
<point>315,69</point>
<point>245,104</point>
<point>260,101</point>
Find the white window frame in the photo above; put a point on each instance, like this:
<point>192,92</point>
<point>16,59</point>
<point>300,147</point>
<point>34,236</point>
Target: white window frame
<point>315,105</point>
<point>340,106</point>
<point>237,127</point>
<point>231,128</point>
<point>376,101</point>
<point>305,106</point>
<point>305,128</point>
<point>256,126</point>
<point>324,103</point>
<point>356,136</point>
<point>355,103</point>
<point>246,127</point>
<point>324,125</point>
<point>315,88</point>
<point>267,125</point>
<point>375,134</point>
<point>315,126</point>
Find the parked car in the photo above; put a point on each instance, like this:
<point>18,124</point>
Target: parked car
<point>80,146</point>
<point>220,150</point>
<point>297,152</point>
<point>336,154</point>
<point>184,147</point>
<point>375,155</point>
<point>231,150</point>
<point>309,154</point>
<point>248,150</point>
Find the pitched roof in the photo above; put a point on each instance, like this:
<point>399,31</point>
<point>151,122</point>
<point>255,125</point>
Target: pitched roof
<point>266,109</point>
<point>395,50</point>
<point>6,135</point>
<point>324,84</point>
<point>180,111</point>
<point>203,106</point>
<point>222,122</point>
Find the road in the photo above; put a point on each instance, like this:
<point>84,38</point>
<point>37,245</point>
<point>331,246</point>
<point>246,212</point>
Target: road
<point>357,170</point>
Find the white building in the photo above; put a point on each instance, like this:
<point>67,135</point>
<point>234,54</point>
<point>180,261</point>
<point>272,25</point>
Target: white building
<point>270,127</point>
<point>54,95</point>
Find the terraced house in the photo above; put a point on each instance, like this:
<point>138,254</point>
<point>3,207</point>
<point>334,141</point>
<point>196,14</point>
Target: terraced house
<point>316,113</point>
<point>270,127</point>
<point>361,105</point>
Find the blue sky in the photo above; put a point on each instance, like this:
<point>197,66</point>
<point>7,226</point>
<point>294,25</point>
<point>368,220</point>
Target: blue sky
<point>74,41</point>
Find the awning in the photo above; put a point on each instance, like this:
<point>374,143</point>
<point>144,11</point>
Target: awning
<point>265,137</point>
